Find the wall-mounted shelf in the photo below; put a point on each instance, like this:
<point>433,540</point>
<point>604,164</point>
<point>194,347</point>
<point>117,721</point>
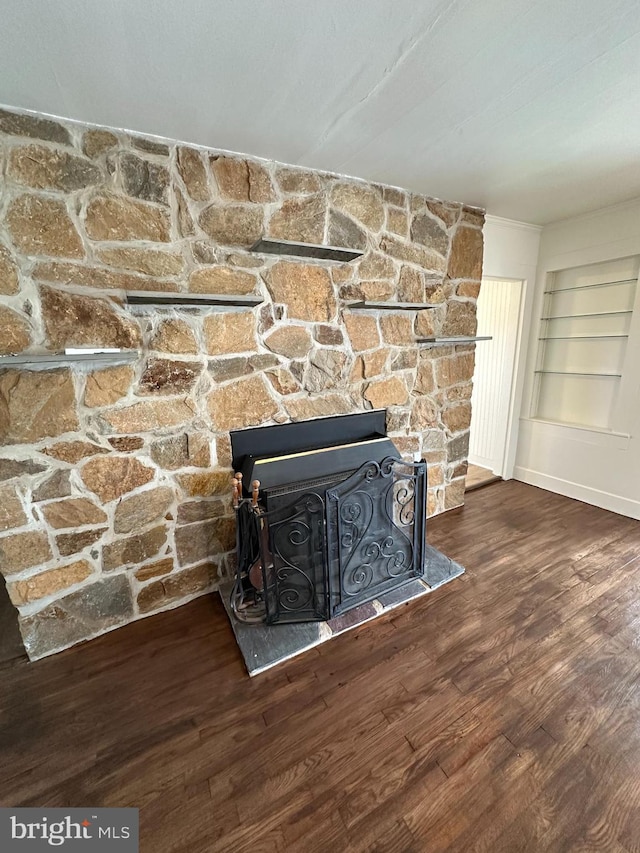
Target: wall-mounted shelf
<point>389,306</point>
<point>339,254</point>
<point>47,360</point>
<point>579,373</point>
<point>435,342</point>
<point>190,300</point>
<point>589,286</point>
<point>592,314</point>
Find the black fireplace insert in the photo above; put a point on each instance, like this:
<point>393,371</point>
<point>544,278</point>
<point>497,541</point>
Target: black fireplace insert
<point>329,516</point>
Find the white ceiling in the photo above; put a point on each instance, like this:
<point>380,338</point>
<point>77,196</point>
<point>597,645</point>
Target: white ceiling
<point>530,109</point>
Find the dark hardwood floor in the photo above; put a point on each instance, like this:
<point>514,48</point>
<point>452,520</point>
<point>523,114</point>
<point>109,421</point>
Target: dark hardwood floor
<point>499,713</point>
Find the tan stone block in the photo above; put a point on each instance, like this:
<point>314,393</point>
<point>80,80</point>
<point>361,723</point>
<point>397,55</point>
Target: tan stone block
<point>247,260</point>
<point>460,319</point>
<point>180,451</point>
<point>73,451</point>
<point>206,484</point>
<point>42,226</point>
<point>411,285</point>
<point>451,371</point>
<point>435,291</point>
<point>74,320</point>
<point>36,405</point>
<point>12,513</point>
<point>369,291</point>
<point>290,341</point>
<point>233,225</point>
<point>397,328</point>
<point>111,477</point>
<point>148,416</point>
<point>458,393</point>
<point>325,370</point>
<point>283,382</point>
<point>343,231</point>
<point>96,142</point>
<point>223,450</point>
<point>176,586</point>
<point>152,262</point>
<point>425,382</point>
<point>8,273</point>
<point>112,217</point>
<point>328,335</point>
<point>376,266</point>
<point>397,222</point>
<point>155,569</point>
<point>405,359</point>
<point>470,289</point>
<point>435,475</point>
<point>126,443</point>
<point>386,392</point>
<point>72,512</point>
<point>186,228</point>
<point>231,332</point>
<point>58,485</point>
<point>261,189</point>
<point>232,177</point>
<point>222,280</point>
<point>342,273</point>
<point>305,408</point>
<point>194,173</point>
<point>361,202</point>
<point>206,540</point>
<point>408,445</point>
<point>426,231</point>
<point>241,404</point>
<point>101,279</point>
<point>205,509</point>
<point>71,543</point>
<point>432,503</point>
<point>133,549</point>
<point>454,494</point>
<point>164,376</point>
<point>107,386</point>
<point>46,583</point>
<point>19,551</point>
<point>473,215</point>
<point>374,363</point>
<point>465,260</point>
<point>457,418</point>
<point>362,330</point>
<point>14,332</point>
<point>297,181</point>
<point>15,124</point>
<point>174,336</point>
<point>149,145</point>
<point>137,511</point>
<point>393,195</point>
<point>299,219</point>
<point>45,168</point>
<point>424,414</point>
<point>460,470</point>
<point>411,253</point>
<point>425,325</point>
<point>447,213</point>
<point>357,370</point>
<point>305,289</point>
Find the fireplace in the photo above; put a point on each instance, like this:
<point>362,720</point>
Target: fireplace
<point>329,517</point>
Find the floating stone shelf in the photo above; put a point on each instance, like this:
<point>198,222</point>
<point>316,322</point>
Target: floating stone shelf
<point>189,300</point>
<point>35,361</point>
<point>266,246</point>
<point>434,342</point>
<point>390,306</point>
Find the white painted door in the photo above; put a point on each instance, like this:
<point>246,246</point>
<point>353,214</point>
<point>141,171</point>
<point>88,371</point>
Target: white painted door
<point>498,316</point>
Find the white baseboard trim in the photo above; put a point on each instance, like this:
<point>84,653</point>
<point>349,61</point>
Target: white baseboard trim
<point>595,497</point>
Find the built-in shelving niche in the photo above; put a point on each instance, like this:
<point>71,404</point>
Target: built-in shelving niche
<point>48,361</point>
<point>191,300</point>
<point>582,343</point>
<point>310,251</point>
<point>452,341</point>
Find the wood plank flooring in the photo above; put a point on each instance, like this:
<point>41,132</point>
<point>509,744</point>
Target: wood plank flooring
<point>499,713</point>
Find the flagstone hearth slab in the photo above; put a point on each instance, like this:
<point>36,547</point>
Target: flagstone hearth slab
<point>265,646</point>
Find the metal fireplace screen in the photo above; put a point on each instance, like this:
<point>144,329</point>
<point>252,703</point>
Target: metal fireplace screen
<point>331,544</point>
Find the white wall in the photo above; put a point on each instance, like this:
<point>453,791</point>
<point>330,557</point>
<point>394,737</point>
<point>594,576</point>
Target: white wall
<point>511,252</point>
<point>601,467</point>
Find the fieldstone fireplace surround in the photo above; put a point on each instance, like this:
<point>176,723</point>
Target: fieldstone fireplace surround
<point>115,469</point>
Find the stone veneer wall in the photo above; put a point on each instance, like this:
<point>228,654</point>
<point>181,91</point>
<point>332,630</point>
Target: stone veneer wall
<point>114,492</point>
